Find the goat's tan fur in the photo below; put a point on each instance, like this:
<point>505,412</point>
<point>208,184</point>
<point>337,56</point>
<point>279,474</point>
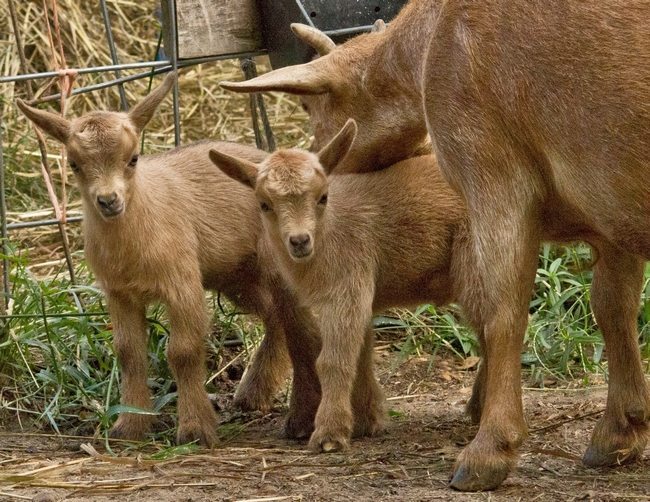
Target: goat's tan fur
<point>183,226</point>
<point>538,112</point>
<point>385,239</point>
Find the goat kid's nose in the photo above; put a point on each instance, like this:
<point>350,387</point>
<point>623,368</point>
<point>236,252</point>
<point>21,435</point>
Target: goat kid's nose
<point>299,240</point>
<point>107,201</point>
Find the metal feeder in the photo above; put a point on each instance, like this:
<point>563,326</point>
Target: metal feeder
<point>340,19</point>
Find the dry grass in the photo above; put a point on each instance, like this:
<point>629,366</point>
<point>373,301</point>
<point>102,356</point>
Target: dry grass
<point>206,109</point>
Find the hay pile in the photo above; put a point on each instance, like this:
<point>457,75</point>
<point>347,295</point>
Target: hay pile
<point>206,109</point>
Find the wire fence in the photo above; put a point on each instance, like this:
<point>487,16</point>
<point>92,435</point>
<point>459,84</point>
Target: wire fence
<point>261,126</point>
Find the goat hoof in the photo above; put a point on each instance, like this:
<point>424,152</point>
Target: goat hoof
<point>331,446</point>
<point>597,456</point>
<point>482,465</point>
<point>467,480</point>
<point>296,428</point>
<point>368,427</point>
<point>203,436</point>
<point>617,441</point>
<point>328,444</point>
<point>251,403</point>
<point>128,435</point>
<point>252,397</point>
<point>130,427</point>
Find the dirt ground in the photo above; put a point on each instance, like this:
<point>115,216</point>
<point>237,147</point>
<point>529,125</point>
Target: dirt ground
<point>411,461</point>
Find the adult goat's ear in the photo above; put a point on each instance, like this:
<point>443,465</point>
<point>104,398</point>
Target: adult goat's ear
<point>378,26</point>
<point>141,113</point>
<point>336,150</point>
<point>238,169</point>
<point>313,37</point>
<point>308,78</point>
<point>53,124</point>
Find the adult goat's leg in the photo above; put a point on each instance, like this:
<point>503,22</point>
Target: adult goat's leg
<point>130,342</point>
<point>500,308</point>
<point>622,433</point>
<point>502,190</point>
<point>186,354</point>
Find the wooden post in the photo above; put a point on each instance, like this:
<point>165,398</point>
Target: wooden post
<point>214,27</point>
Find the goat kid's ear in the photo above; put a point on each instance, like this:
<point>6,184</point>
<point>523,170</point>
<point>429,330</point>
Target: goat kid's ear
<point>238,169</point>
<point>308,78</point>
<point>336,150</point>
<point>141,113</point>
<point>55,125</point>
<point>314,38</point>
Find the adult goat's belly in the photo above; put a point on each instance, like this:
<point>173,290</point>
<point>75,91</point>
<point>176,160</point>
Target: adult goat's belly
<point>598,202</point>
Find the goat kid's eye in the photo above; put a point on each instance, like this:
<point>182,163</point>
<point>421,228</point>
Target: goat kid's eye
<point>73,165</point>
<point>133,161</point>
<point>323,200</point>
<point>265,207</point>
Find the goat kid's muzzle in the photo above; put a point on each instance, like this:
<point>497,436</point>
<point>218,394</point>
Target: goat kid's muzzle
<point>300,246</point>
<point>110,206</point>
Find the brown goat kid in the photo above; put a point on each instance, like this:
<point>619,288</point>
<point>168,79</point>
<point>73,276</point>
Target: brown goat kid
<point>163,227</point>
<point>538,114</point>
<point>349,246</point>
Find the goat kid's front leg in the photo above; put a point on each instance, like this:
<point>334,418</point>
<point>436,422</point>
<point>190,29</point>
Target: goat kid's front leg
<point>343,325</point>
<point>367,396</point>
<point>130,336</point>
<point>621,434</point>
<point>186,354</point>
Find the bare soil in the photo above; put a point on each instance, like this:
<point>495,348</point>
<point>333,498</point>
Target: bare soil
<point>410,461</point>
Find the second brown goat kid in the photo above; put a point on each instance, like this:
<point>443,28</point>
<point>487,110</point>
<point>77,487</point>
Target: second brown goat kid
<point>351,245</point>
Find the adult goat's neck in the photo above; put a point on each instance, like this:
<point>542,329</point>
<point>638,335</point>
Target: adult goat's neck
<point>401,54</point>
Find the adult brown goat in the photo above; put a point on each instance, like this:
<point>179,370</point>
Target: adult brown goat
<point>538,114</point>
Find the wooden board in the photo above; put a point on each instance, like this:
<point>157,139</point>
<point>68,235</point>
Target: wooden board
<point>214,27</point>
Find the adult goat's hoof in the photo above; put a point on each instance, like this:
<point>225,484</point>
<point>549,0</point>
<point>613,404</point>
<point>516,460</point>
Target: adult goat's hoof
<point>597,457</point>
<point>466,480</point>
<point>482,466</point>
<point>618,440</point>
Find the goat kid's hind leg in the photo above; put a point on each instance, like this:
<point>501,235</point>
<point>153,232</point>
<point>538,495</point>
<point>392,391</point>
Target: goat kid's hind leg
<point>267,370</point>
<point>367,396</point>
<point>343,327</point>
<point>304,344</point>
<point>622,433</point>
<point>130,336</point>
<point>186,354</point>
